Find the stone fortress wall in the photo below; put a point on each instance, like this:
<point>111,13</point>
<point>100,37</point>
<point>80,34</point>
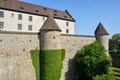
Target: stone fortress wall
<point>15,59</point>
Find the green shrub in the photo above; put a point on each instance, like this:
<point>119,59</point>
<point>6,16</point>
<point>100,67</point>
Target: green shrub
<point>51,64</point>
<point>104,77</point>
<point>91,60</point>
<point>35,55</point>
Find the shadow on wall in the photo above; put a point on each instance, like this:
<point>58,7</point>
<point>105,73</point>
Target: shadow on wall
<point>70,75</point>
<point>115,60</point>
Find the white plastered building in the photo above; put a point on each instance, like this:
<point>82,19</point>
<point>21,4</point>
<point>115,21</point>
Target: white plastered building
<point>21,16</point>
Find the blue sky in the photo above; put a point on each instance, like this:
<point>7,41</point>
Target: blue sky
<point>88,13</point>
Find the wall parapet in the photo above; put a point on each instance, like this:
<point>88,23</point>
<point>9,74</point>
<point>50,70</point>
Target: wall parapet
<point>77,35</point>
<point>16,32</point>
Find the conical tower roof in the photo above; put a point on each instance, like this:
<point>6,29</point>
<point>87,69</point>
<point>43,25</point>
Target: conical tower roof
<point>50,25</point>
<point>101,30</point>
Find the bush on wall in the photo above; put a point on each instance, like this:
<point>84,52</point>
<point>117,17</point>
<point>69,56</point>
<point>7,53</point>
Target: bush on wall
<point>51,64</point>
<point>91,60</point>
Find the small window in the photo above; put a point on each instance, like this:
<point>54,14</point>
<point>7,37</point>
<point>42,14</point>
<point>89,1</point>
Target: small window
<point>19,16</point>
<point>67,30</point>
<point>1,25</point>
<point>45,8</point>
<point>1,14</point>
<point>19,26</point>
<point>30,27</point>
<point>12,14</point>
<point>55,10</point>
<point>67,23</point>
<point>55,14</point>
<point>65,16</point>
<point>30,18</point>
<point>21,7</point>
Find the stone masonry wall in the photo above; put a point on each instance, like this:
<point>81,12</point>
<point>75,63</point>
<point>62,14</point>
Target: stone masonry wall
<point>15,59</point>
<point>72,43</point>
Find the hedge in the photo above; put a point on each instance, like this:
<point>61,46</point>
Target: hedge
<point>35,55</point>
<point>51,64</point>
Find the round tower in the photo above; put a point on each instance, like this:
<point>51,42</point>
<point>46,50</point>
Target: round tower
<point>102,36</point>
<point>50,35</point>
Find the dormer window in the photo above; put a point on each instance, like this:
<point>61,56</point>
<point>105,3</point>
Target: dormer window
<point>21,7</point>
<point>65,16</point>
<point>55,10</point>
<point>45,8</point>
<point>1,14</point>
<point>55,14</point>
<point>36,10</point>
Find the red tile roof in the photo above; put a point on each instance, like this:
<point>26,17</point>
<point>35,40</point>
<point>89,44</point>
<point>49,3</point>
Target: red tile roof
<point>50,25</point>
<point>101,30</point>
<point>20,6</point>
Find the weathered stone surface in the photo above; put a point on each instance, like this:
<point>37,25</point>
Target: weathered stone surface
<point>15,59</point>
<point>72,44</point>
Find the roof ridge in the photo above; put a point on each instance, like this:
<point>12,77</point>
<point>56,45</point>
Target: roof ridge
<point>25,7</point>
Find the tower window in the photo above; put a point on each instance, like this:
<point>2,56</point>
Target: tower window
<point>1,25</point>
<point>30,27</point>
<point>67,23</point>
<point>19,16</point>
<point>30,18</point>
<point>19,26</point>
<point>67,30</point>
<point>1,14</point>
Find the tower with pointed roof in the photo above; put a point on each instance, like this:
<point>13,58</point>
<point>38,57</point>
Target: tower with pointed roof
<point>102,36</point>
<point>50,34</point>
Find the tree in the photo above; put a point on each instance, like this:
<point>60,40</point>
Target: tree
<point>114,43</point>
<point>91,60</point>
